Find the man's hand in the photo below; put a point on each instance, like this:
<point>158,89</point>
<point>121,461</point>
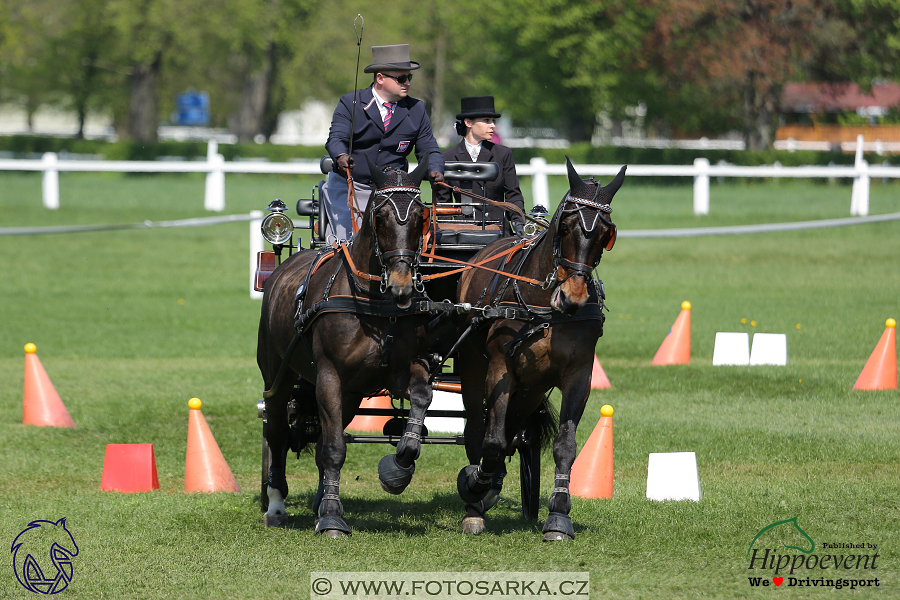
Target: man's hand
<point>436,177</point>
<point>518,228</point>
<point>344,162</point>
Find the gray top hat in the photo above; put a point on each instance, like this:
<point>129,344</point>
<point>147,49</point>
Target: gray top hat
<point>391,58</point>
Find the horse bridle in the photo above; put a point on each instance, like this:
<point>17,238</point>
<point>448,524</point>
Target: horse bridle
<point>410,257</point>
<point>602,213</point>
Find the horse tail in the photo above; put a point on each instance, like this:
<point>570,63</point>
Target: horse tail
<point>544,423</point>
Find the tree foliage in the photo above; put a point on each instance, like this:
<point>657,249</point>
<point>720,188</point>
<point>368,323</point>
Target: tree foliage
<point>700,67</point>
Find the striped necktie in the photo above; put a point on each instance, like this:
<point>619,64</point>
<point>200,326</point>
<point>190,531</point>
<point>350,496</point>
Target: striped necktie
<point>387,116</point>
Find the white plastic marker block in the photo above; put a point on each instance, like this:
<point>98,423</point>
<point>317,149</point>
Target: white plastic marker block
<point>445,401</point>
<point>731,349</point>
<point>673,476</point>
<point>769,349</point>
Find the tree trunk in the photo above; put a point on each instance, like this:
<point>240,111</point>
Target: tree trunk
<point>143,109</point>
<point>760,113</point>
<point>440,69</point>
<point>249,119</point>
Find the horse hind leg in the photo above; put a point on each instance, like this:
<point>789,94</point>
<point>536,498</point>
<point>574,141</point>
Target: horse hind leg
<point>331,451</point>
<point>474,521</point>
<point>278,438</point>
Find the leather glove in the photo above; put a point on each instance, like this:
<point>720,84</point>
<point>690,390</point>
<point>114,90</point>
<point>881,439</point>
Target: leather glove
<point>518,228</point>
<point>344,162</point>
<point>436,176</point>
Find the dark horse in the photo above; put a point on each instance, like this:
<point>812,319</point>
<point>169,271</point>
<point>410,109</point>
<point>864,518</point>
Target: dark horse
<point>346,322</point>
<point>545,337</point>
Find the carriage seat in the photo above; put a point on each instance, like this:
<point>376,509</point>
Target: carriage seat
<point>468,231</point>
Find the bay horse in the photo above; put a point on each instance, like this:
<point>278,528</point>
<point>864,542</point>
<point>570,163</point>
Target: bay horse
<point>345,321</point>
<point>528,338</point>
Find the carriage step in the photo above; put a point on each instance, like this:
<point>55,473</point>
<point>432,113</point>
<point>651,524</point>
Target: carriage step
<point>404,413</point>
<point>350,438</point>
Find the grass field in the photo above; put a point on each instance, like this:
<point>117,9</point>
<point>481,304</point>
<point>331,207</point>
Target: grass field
<point>131,324</point>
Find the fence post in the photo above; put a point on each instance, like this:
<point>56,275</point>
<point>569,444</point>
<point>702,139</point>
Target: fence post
<point>256,245</point>
<point>859,196</point>
<point>540,190</point>
<point>701,186</point>
<point>50,180</point>
<point>214,198</point>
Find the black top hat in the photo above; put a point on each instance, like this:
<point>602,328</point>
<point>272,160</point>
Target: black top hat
<point>477,106</point>
<point>391,58</point>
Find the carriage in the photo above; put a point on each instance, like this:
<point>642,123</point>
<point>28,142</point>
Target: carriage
<point>521,315</point>
<point>459,232</point>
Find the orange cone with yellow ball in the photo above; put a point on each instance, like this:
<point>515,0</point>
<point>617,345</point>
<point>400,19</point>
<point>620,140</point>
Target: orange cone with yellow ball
<point>205,469</point>
<point>880,372</point>
<point>676,348</point>
<point>41,405</point>
<point>592,471</point>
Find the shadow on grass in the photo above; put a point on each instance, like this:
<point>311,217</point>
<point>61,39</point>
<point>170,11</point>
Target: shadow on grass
<point>417,518</point>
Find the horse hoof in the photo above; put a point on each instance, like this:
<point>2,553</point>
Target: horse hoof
<point>333,527</point>
<point>393,477</point>
<point>275,520</point>
<point>334,533</point>
<point>473,525</point>
<point>558,527</point>
<point>491,498</point>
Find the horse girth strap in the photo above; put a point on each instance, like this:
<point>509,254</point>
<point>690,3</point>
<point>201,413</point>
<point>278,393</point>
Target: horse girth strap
<point>362,306</point>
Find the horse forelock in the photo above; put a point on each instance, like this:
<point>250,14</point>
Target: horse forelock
<point>595,206</point>
<point>401,199</point>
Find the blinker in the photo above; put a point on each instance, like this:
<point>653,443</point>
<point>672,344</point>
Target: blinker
<point>612,238</point>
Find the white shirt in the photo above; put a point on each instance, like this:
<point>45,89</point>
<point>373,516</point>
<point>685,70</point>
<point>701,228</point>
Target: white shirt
<point>473,151</point>
<point>380,102</point>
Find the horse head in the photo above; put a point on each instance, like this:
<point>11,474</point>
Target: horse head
<point>395,220</point>
<point>581,229</point>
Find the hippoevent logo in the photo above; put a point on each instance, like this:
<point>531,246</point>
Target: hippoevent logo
<point>770,555</point>
<point>42,556</point>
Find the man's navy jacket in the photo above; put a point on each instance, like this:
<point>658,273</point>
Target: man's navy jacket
<point>409,128</point>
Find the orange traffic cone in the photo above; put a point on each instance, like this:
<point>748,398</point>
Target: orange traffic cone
<point>592,471</point>
<point>205,469</point>
<point>880,372</point>
<point>599,380</point>
<point>41,405</point>
<point>676,348</point>
<point>371,423</point>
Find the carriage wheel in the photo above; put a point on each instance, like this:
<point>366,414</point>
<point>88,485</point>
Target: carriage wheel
<point>530,479</point>
<point>266,460</point>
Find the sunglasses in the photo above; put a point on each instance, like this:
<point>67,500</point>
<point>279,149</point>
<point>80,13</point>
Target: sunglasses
<point>402,79</point>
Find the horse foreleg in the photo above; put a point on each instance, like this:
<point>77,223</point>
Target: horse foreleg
<point>395,471</point>
<point>475,481</point>
<point>558,525</point>
<point>331,451</point>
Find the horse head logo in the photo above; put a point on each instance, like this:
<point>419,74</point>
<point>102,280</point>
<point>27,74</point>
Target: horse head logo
<point>785,533</point>
<point>40,545</point>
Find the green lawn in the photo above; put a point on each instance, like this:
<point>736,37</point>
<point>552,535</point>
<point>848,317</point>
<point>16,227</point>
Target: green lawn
<point>131,324</point>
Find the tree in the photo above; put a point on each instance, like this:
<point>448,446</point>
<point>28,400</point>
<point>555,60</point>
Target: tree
<point>731,59</point>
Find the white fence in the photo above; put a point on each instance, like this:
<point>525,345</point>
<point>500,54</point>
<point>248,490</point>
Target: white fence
<point>216,167</point>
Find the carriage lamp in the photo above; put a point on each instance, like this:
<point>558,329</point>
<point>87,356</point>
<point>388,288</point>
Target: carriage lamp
<point>277,227</point>
<point>539,217</point>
